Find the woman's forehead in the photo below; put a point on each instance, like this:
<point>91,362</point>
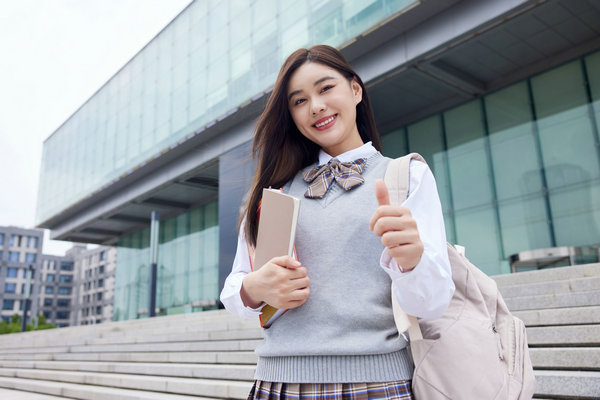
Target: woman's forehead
<point>309,74</point>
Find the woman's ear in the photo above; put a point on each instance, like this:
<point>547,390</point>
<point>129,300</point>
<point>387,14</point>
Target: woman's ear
<point>356,91</point>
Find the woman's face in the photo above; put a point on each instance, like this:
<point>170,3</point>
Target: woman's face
<point>322,103</point>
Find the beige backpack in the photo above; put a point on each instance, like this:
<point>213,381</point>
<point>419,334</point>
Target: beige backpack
<point>477,350</point>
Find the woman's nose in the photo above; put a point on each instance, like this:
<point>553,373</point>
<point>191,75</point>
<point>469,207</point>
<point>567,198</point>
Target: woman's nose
<point>317,107</point>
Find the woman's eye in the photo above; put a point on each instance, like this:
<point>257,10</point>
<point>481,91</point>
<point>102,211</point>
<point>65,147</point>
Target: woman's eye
<point>326,88</point>
<point>298,101</point>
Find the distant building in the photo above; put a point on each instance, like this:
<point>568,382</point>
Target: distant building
<point>95,286</point>
<point>20,254</point>
<point>75,289</point>
<point>57,286</point>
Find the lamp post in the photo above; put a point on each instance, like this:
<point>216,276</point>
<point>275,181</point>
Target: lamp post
<point>154,228</point>
<point>27,300</point>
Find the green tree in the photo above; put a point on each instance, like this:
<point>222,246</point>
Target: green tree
<point>15,325</point>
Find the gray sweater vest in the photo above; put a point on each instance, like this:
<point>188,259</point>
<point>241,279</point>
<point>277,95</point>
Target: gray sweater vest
<point>345,331</point>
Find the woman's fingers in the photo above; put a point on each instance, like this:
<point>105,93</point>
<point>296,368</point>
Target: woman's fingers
<point>285,261</point>
<point>388,211</point>
<point>388,224</point>
<point>282,282</point>
<point>398,238</point>
<point>406,255</point>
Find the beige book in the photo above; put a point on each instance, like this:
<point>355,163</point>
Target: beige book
<point>276,234</point>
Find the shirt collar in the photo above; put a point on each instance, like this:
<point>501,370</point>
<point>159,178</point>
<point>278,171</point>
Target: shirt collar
<point>364,151</point>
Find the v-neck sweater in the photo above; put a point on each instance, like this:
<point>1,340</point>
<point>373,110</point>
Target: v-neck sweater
<point>345,331</point>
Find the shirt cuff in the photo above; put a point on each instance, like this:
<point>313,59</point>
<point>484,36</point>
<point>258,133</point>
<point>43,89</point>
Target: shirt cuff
<point>232,299</point>
<point>424,291</point>
<point>389,263</point>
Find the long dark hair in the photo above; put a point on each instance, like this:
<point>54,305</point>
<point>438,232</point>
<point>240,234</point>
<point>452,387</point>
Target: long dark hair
<point>281,150</point>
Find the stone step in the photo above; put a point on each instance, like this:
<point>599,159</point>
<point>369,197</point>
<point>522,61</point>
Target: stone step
<point>30,388</point>
<point>206,371</point>
<point>568,384</point>
<point>8,394</point>
<point>554,287</point>
<point>548,274</point>
<point>234,357</point>
<point>560,316</point>
<point>561,300</point>
<point>226,357</point>
<point>230,334</point>
<point>574,358</point>
<point>219,319</point>
<point>239,333</point>
<point>575,335</point>
<point>216,345</point>
<point>188,386</point>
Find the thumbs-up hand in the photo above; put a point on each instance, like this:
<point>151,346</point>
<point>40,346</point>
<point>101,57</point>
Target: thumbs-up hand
<point>397,229</point>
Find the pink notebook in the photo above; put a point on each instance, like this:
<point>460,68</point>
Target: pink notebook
<point>276,234</point>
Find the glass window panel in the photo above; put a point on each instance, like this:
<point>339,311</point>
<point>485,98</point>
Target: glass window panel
<point>294,37</point>
<point>198,34</point>
<point>217,17</point>
<point>566,131</point>
<point>464,124</point>
<point>524,225</point>
<point>467,156</point>
<point>290,11</point>
<point>266,33</point>
<point>181,73</point>
<point>426,138</point>
<point>514,152</point>
<point>239,27</point>
<point>181,41</point>
<point>197,98</point>
<point>576,214</point>
<point>361,16</point>
<point>241,60</point>
<point>264,12</point>
<point>218,45</point>
<point>477,231</point>
<point>394,143</point>
<point>179,111</point>
<point>328,29</point>
<point>592,63</point>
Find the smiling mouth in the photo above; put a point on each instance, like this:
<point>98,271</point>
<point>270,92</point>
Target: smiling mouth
<point>325,122</point>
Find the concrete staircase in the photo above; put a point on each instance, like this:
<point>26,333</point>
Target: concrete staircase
<point>210,355</point>
<point>205,355</point>
<point>561,309</point>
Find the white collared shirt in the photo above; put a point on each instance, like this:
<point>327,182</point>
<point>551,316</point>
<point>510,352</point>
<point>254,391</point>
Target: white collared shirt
<point>425,291</point>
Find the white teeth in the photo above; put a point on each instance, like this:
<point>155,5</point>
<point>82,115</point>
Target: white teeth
<point>328,120</point>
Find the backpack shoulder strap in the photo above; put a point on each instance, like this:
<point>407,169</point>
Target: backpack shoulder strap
<point>397,180</point>
<point>397,177</point>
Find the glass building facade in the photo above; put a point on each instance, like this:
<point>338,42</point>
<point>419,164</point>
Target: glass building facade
<point>519,168</point>
<point>187,279</point>
<point>214,57</point>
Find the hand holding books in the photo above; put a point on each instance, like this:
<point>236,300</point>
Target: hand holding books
<point>282,283</point>
<point>276,278</point>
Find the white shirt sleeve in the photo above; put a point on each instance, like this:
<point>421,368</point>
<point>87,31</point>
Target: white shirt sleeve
<point>425,291</point>
<point>230,295</point>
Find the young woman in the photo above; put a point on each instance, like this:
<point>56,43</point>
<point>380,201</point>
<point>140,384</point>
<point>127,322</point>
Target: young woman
<point>317,140</point>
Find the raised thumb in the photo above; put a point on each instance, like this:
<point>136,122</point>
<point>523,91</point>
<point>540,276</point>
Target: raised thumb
<point>381,193</point>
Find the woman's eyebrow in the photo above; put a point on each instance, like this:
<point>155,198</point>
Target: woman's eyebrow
<point>295,92</point>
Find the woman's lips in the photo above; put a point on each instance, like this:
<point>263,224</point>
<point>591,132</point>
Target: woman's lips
<point>325,122</point>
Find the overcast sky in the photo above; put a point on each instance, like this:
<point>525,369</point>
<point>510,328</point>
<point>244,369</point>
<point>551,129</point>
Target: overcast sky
<point>54,54</point>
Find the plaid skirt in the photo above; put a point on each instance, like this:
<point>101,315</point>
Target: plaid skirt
<point>400,390</point>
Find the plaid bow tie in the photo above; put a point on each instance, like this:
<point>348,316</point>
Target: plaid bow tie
<point>346,174</point>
